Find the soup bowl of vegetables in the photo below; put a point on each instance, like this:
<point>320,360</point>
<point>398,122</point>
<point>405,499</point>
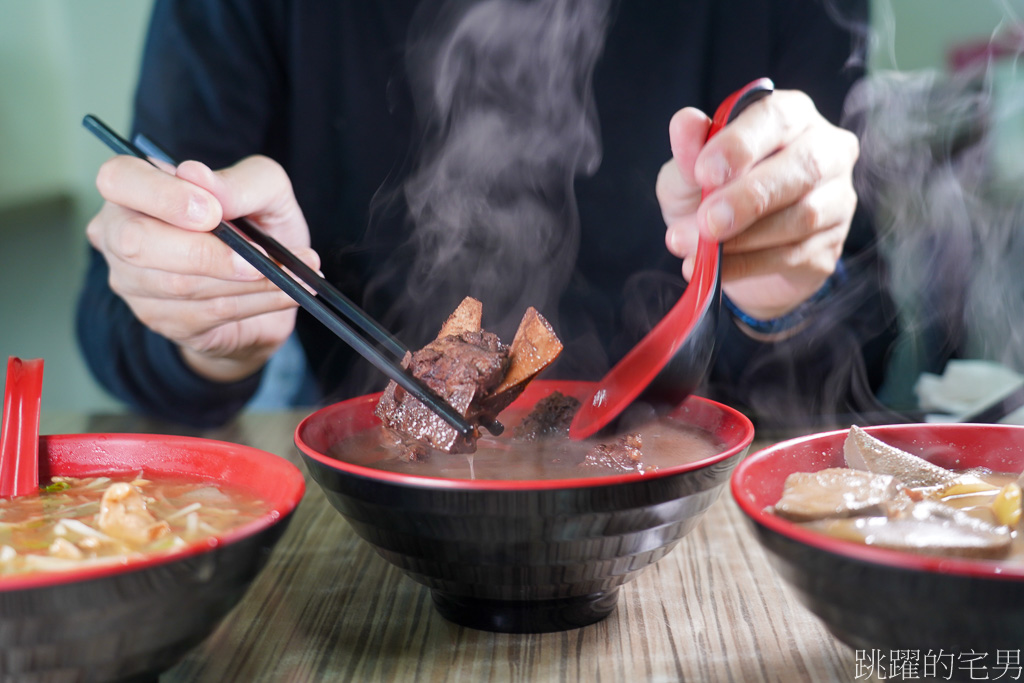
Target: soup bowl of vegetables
<point>927,561</point>
<point>132,552</point>
<point>531,532</point>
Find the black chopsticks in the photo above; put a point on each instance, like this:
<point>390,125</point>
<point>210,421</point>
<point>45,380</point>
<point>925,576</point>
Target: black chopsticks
<point>329,306</point>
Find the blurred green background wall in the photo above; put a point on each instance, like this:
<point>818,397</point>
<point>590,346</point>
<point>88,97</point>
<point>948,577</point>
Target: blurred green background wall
<point>60,59</point>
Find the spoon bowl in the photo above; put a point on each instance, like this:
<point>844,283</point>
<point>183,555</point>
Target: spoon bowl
<point>19,435</point>
<point>671,361</point>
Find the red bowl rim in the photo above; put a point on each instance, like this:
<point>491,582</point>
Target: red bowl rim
<point>743,440</point>
<point>289,475</point>
<point>985,569</point>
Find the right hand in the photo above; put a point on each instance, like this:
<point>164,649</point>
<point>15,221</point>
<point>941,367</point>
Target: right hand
<point>781,199</point>
<point>183,282</point>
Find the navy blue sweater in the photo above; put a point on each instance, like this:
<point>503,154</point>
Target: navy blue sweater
<point>325,89</point>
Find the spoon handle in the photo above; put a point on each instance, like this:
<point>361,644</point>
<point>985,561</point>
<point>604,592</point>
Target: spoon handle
<point>19,434</point>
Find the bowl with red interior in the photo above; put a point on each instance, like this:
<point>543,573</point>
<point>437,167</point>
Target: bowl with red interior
<point>900,538</point>
<point>532,532</point>
<point>132,551</point>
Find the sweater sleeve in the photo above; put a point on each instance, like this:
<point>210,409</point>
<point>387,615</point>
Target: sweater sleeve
<point>206,90</point>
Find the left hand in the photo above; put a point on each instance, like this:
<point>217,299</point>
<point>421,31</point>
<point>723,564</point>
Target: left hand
<point>781,198</point>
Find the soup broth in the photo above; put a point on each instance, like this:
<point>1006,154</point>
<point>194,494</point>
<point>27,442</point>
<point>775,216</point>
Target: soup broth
<point>80,522</point>
<point>663,443</point>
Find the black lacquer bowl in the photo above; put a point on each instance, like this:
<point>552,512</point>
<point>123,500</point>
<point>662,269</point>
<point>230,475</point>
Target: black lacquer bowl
<point>131,621</point>
<point>879,600</point>
<point>522,556</point>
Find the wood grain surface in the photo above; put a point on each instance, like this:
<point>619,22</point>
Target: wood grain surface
<point>327,608</point>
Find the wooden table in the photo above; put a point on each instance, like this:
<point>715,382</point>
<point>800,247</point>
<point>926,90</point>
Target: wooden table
<point>327,608</point>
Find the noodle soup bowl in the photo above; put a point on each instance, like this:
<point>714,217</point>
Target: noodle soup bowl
<point>522,555</point>
<point>133,619</point>
<point>880,600</point>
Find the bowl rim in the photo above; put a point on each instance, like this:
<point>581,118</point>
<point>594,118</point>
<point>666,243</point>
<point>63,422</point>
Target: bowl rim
<point>290,499</point>
<point>743,441</point>
<point>896,559</point>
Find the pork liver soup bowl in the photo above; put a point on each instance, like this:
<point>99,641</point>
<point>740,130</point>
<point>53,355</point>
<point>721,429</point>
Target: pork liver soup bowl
<point>132,620</point>
<point>874,598</point>
<point>522,555</point>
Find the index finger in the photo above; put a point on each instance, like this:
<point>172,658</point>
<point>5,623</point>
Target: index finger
<point>762,129</point>
<point>138,185</point>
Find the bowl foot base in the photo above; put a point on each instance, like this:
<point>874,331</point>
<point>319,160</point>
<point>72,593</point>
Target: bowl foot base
<point>526,616</point>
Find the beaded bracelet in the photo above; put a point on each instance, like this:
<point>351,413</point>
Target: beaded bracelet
<point>789,324</point>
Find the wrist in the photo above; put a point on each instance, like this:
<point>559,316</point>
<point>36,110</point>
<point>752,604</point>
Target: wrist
<point>221,369</point>
<point>789,324</point>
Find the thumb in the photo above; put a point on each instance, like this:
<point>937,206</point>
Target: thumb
<point>256,187</point>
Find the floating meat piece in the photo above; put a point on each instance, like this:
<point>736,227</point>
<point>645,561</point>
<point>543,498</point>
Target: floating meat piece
<point>408,449</point>
<point>123,514</point>
<point>550,417</point>
<point>624,454</point>
<point>838,492</point>
<point>926,527</point>
<point>473,371</point>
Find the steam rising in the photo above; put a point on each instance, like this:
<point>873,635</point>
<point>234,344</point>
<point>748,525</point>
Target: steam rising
<point>948,213</point>
<point>503,94</point>
<point>502,90</point>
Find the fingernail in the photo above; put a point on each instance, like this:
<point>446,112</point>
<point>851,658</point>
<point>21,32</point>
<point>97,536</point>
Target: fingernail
<point>716,170</point>
<point>198,209</point>
<point>720,217</point>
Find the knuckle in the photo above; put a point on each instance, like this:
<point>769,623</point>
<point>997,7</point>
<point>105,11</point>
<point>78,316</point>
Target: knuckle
<point>269,168</point>
<point>222,308</point>
<point>171,329</point>
<point>116,282</point>
<point>174,207</point>
<point>804,101</point>
<point>741,155</point>
<point>810,215</point>
<point>201,342</point>
<point>178,285</point>
<point>758,197</point>
<point>201,255</point>
<point>801,104</point>
<point>125,238</point>
<point>797,256</point>
<point>94,231</point>
<point>849,199</point>
<point>814,168</point>
<point>852,143</point>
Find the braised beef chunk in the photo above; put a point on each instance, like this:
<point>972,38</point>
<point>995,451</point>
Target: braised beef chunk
<point>623,454</point>
<point>550,417</point>
<point>461,369</point>
<point>473,362</point>
<point>473,371</point>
